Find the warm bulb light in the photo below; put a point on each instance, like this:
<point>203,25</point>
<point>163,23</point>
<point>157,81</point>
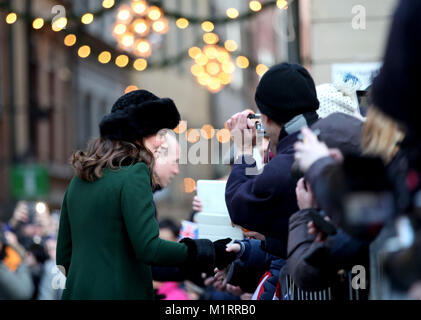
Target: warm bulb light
<point>181,128</point>
<point>87,18</point>
<point>107,4</point>
<point>130,89</point>
<point>160,26</point>
<point>70,40</point>
<point>127,40</point>
<point>213,68</point>
<point>210,38</point>
<point>119,29</point>
<point>140,26</point>
<point>38,23</point>
<point>223,135</point>
<point>122,61</point>
<point>255,6</point>
<point>84,51</point>
<point>11,18</point>
<point>228,67</point>
<point>225,78</point>
<point>197,70</point>
<point>242,62</point>
<point>261,69</point>
<point>140,64</point>
<point>154,13</point>
<point>207,131</point>
<point>208,26</point>
<point>143,46</point>
<point>201,60</point>
<point>194,52</point>
<point>231,45</point>
<point>232,13</point>
<point>182,23</point>
<point>210,51</point>
<point>104,57</point>
<point>282,4</point>
<point>139,7</point>
<point>59,24</point>
<point>124,14</point>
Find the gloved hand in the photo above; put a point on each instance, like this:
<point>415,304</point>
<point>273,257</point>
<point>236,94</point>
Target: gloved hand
<point>204,255</point>
<point>222,257</point>
<point>201,255</point>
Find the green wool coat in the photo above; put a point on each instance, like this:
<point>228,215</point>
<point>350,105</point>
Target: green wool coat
<point>108,237</point>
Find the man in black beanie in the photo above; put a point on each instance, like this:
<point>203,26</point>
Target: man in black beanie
<point>286,97</point>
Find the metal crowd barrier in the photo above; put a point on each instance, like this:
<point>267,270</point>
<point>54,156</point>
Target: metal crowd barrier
<point>293,292</point>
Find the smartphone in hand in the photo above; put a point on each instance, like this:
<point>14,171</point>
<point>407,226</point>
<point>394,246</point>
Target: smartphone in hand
<point>321,224</point>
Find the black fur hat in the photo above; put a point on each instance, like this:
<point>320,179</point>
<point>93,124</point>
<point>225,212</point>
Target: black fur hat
<point>139,114</point>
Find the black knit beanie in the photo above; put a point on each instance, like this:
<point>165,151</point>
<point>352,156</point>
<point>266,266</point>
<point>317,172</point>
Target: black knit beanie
<point>286,91</point>
<point>139,114</point>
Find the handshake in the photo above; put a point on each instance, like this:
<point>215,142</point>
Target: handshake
<point>205,255</point>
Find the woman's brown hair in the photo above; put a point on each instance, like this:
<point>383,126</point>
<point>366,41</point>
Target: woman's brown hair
<point>104,153</point>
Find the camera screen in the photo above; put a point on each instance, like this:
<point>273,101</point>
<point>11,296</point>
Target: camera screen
<point>363,102</point>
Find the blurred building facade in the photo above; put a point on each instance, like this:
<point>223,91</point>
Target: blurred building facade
<point>51,100</point>
<point>332,31</point>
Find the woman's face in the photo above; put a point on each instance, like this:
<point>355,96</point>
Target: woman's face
<point>152,143</point>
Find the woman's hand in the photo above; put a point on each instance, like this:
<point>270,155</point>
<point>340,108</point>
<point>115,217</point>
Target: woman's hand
<point>305,197</point>
<point>309,150</point>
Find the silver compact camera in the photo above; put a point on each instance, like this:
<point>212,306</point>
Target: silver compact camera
<point>258,122</point>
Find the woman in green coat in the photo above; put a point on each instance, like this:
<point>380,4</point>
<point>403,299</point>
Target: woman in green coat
<point>108,234</point>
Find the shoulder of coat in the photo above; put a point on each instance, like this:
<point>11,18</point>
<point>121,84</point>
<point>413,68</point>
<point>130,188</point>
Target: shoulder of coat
<point>138,168</point>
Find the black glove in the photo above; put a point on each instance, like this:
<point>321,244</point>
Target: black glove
<point>222,257</point>
<point>201,255</point>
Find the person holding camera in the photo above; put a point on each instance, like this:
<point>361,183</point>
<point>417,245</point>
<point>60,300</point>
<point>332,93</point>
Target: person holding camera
<point>108,235</point>
<point>286,97</point>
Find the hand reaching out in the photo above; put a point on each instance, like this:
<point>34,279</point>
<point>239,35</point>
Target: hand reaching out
<point>305,197</point>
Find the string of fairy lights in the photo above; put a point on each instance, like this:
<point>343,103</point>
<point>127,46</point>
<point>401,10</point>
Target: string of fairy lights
<point>214,61</point>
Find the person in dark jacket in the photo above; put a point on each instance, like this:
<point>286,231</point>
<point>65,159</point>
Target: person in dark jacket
<point>342,132</point>
<point>286,97</point>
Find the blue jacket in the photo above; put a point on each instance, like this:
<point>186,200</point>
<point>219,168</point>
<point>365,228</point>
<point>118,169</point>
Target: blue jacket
<point>251,265</point>
<point>264,203</point>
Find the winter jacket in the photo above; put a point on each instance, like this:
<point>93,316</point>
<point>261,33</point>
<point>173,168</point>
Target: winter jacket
<point>247,270</point>
<point>264,202</point>
<point>314,266</point>
<point>15,277</point>
<point>268,291</point>
<point>109,237</point>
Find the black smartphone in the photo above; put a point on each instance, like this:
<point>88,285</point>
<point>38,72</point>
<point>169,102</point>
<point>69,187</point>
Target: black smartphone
<point>363,102</point>
<point>321,224</point>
